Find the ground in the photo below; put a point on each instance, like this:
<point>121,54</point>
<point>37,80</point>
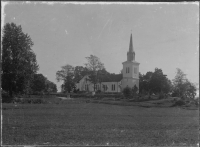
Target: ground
<point>79,122</point>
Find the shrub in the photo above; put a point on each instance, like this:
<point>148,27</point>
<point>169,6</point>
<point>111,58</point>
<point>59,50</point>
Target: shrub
<point>127,92</point>
<point>6,98</point>
<point>98,91</point>
<point>179,103</point>
<point>29,101</point>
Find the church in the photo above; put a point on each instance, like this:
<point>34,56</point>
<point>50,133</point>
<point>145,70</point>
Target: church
<point>129,77</point>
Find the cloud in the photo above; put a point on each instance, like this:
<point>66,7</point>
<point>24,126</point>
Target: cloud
<point>66,32</point>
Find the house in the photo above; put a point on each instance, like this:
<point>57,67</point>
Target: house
<point>116,82</point>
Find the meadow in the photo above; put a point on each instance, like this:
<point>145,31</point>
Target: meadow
<point>81,122</point>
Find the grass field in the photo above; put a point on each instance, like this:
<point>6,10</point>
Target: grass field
<point>75,122</point>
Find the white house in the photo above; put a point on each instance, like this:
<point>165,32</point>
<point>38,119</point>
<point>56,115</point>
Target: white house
<point>129,77</point>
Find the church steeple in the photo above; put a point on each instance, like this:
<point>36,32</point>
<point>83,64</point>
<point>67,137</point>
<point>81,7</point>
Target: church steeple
<point>131,53</point>
<point>131,44</point>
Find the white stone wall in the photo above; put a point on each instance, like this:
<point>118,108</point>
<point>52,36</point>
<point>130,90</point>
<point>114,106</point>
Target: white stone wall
<point>82,86</point>
<point>131,78</point>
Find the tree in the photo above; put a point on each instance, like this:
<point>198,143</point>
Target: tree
<point>127,91</point>
<point>134,90</point>
<point>66,74</point>
<point>18,60</point>
<point>182,87</point>
<point>179,81</point>
<point>94,65</point>
<point>158,81</point>
<point>154,82</point>
<point>50,86</point>
<point>79,73</point>
<point>38,83</point>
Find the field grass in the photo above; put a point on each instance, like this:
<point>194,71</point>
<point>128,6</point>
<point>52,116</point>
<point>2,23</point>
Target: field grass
<point>75,122</point>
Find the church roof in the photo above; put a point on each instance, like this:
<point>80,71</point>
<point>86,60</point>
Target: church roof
<point>112,78</point>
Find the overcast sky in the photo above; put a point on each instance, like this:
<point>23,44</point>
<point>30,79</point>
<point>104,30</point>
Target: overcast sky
<point>165,36</point>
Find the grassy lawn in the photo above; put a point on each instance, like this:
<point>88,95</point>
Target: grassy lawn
<point>75,122</point>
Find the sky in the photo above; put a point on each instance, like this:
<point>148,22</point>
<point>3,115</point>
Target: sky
<point>165,36</point>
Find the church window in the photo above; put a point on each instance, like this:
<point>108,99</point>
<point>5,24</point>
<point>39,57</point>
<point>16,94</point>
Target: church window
<point>128,69</point>
<point>113,87</point>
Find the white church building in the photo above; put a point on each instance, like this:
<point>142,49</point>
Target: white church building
<point>129,77</point>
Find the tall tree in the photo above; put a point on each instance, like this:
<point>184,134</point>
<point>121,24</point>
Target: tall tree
<point>182,86</point>
<point>94,65</point>
<point>18,60</point>
<point>66,74</point>
<point>79,73</point>
<point>178,82</point>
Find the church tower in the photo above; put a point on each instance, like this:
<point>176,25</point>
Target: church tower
<point>130,69</point>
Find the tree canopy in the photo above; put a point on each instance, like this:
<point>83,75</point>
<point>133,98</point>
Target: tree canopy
<point>154,82</point>
<point>66,74</point>
<point>94,65</point>
<point>182,87</point>
<point>18,60</point>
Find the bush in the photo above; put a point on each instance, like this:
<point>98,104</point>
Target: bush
<point>29,101</point>
<point>98,91</point>
<point>6,97</point>
<point>127,92</point>
<point>179,103</point>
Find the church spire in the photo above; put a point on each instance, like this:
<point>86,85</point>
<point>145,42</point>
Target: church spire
<point>131,53</point>
<point>131,44</point>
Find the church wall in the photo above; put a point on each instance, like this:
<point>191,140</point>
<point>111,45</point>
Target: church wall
<point>88,86</point>
<point>110,88</point>
<point>130,82</point>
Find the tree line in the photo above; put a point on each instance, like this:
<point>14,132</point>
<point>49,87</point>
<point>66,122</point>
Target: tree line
<point>19,64</point>
<point>150,83</point>
<point>157,82</point>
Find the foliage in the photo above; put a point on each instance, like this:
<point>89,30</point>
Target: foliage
<point>50,87</point>
<point>6,98</point>
<point>179,103</point>
<point>30,101</point>
<point>154,82</point>
<point>18,60</point>
<point>134,90</point>
<point>127,91</point>
<point>38,83</point>
<point>66,74</point>
<point>79,73</point>
<point>182,87</point>
<point>94,65</point>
